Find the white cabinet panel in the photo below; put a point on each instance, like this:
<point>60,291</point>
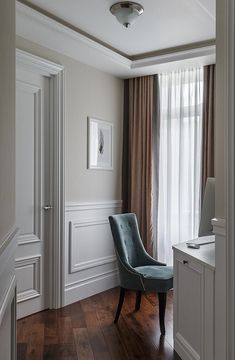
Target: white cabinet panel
<point>189,304</point>
<point>193,308</point>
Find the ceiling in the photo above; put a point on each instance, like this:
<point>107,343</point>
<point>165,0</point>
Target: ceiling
<point>164,23</point>
<point>170,34</point>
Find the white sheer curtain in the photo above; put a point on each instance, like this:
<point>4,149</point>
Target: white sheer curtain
<point>180,159</point>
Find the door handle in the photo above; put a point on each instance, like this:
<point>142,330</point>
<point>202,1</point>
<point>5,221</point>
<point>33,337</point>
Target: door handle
<point>48,207</point>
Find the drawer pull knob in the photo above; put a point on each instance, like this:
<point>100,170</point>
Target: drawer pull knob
<point>185,262</point>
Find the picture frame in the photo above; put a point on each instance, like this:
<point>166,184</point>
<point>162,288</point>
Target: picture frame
<point>100,144</point>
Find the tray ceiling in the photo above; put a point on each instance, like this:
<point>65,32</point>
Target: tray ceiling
<point>164,24</point>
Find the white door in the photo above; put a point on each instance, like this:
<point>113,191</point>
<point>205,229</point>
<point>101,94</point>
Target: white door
<point>33,194</point>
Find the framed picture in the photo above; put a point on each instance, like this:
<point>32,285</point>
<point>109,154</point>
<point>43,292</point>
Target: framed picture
<point>100,144</point>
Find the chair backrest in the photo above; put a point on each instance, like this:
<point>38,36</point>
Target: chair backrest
<point>208,208</point>
<point>127,241</point>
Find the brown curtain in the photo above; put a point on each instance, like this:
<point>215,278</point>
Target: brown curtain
<point>208,118</point>
<point>137,182</point>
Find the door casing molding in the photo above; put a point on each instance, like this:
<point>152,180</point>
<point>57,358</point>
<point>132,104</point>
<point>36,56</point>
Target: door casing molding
<point>55,73</point>
<point>226,60</point>
<point>229,91</point>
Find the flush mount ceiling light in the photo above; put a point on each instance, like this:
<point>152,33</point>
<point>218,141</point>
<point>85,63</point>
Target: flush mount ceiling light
<point>126,12</point>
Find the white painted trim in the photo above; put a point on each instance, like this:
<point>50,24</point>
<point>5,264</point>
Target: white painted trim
<point>219,226</point>
<point>89,286</point>
<point>84,265</point>
<point>229,91</point>
<point>44,67</point>
<point>89,279</point>
<point>27,239</point>
<point>174,56</point>
<point>12,233</point>
<point>9,295</point>
<point>36,291</point>
<point>13,328</point>
<point>92,263</point>
<point>183,348</point>
<point>83,206</point>
<point>88,222</point>
<point>7,273</point>
<point>39,28</point>
<point>55,73</point>
<point>25,16</point>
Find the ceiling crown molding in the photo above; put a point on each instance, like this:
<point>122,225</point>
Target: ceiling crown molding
<point>45,31</point>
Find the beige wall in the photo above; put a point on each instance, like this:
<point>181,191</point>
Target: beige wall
<point>7,116</point>
<point>88,92</point>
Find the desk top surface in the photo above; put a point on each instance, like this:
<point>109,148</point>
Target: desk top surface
<point>205,254</point>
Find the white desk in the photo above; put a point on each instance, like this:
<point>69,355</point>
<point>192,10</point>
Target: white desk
<point>194,301</point>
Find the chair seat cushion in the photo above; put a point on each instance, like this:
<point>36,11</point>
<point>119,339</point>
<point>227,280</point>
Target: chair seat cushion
<point>155,272</point>
<point>156,278</point>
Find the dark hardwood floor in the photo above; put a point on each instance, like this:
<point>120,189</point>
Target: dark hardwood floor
<point>85,331</point>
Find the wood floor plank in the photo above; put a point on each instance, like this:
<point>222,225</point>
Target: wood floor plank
<point>83,346</point>
<point>35,344</point>
<point>60,352</point>
<point>65,330</point>
<point>86,331</point>
<point>112,336</point>
<point>96,337</point>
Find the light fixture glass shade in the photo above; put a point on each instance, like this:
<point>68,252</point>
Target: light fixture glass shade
<point>126,12</point>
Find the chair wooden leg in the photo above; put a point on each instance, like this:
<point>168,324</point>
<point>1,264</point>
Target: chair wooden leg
<point>162,308</point>
<point>138,300</point>
<point>120,303</point>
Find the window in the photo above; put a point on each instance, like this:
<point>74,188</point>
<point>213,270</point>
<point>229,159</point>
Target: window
<point>181,97</point>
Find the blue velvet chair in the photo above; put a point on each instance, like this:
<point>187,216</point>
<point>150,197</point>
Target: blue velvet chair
<point>137,269</point>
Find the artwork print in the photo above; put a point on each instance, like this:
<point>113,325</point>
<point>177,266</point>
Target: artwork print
<point>100,144</point>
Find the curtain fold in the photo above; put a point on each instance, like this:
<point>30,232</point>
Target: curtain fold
<point>208,116</point>
<point>181,95</point>
<point>155,157</point>
<point>137,184</point>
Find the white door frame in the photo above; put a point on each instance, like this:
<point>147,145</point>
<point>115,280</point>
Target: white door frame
<point>229,87</point>
<point>225,267</point>
<point>55,73</point>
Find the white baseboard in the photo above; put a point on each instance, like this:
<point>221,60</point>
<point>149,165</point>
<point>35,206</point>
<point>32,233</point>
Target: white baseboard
<point>184,350</point>
<point>87,287</point>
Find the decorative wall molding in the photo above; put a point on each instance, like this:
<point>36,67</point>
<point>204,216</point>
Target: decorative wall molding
<point>55,73</point>
<point>90,257</point>
<point>5,241</point>
<point>7,273</point>
<point>8,297</point>
<point>27,239</point>
<point>178,55</point>
<point>86,206</point>
<point>219,226</point>
<point>42,66</point>
<point>46,31</point>
<point>35,290</point>
<point>73,255</point>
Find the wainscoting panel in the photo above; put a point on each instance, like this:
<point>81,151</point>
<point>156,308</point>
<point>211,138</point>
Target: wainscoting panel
<point>8,296</point>
<point>28,278</point>
<point>90,261</point>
